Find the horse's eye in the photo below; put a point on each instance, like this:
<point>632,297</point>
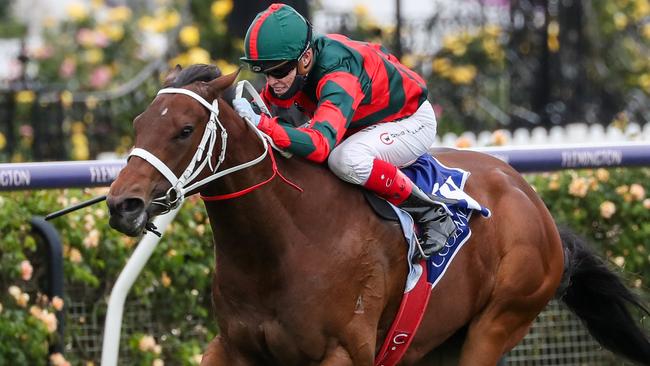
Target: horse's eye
<point>186,132</point>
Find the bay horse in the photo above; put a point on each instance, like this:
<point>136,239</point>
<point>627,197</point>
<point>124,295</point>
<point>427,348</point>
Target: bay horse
<point>315,277</point>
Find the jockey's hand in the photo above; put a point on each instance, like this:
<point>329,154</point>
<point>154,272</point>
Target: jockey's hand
<point>245,110</point>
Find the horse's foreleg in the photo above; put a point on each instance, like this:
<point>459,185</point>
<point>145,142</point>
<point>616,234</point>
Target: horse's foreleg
<point>338,356</point>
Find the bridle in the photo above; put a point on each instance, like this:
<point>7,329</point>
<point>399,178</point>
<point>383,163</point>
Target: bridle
<point>175,195</point>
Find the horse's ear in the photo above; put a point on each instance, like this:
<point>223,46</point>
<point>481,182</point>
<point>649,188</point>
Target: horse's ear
<point>171,75</point>
<point>222,82</point>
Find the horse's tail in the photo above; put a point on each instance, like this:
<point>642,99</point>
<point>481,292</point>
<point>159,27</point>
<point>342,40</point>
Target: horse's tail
<point>601,299</point>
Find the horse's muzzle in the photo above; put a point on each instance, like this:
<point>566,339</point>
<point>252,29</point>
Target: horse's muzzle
<point>128,215</point>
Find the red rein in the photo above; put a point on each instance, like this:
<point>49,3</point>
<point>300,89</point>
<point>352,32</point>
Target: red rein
<point>227,196</point>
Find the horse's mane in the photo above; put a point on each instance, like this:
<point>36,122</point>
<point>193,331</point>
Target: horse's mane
<point>198,72</point>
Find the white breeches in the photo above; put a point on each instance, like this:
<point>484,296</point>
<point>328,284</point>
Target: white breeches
<point>399,143</point>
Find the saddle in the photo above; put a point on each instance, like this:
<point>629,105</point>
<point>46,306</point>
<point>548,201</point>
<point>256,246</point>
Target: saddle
<point>380,206</point>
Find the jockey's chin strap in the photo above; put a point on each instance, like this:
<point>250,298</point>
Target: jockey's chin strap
<point>203,156</point>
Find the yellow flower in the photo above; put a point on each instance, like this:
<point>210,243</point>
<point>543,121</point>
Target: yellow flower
<point>361,10</point>
<point>22,300</point>
<point>408,60</point>
<point>553,28</point>
<point>620,20</point>
<point>221,8</point>
<point>463,142</point>
<point>441,65</point>
<point>25,96</point>
<point>622,190</point>
<point>77,11</point>
<point>119,14</point>
<point>602,175</point>
<point>75,256</point>
<point>197,55</point>
<point>578,187</point>
<point>644,81</point>
<point>607,209</point>
<point>165,279</point>
<point>490,45</point>
<point>3,141</point>
<point>499,138</point>
<point>189,36</point>
<point>553,44</point>
<point>553,185</point>
<point>181,59</point>
<point>115,32</point>
<point>641,9</point>
<point>158,362</point>
<point>226,67</point>
<point>637,191</point>
<point>172,19</point>
<point>463,74</point>
<point>66,98</point>
<point>93,56</point>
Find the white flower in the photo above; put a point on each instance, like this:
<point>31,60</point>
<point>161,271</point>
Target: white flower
<point>619,261</point>
<point>637,191</point>
<point>578,187</point>
<point>158,362</point>
<point>57,303</point>
<point>22,300</point>
<point>147,343</point>
<point>197,358</point>
<point>92,240</point>
<point>57,359</point>
<point>607,209</point>
<point>26,270</point>
<point>15,292</point>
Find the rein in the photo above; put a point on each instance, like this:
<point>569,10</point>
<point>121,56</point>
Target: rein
<point>245,191</point>
<point>183,184</point>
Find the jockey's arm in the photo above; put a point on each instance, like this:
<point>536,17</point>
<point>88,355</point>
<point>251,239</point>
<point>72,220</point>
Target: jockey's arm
<point>338,95</point>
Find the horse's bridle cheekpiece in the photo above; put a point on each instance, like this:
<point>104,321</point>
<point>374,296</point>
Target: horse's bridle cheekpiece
<point>183,184</point>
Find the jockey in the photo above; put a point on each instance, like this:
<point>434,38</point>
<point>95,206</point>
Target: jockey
<point>369,114</point>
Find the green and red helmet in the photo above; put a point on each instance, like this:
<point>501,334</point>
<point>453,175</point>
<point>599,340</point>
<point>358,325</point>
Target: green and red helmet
<point>277,34</point>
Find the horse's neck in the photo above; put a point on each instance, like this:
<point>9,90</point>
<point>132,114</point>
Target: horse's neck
<point>258,222</point>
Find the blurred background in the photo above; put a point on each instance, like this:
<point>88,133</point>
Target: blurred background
<point>74,74</point>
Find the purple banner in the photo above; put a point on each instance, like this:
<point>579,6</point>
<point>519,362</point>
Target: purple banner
<point>527,160</point>
<point>68,174</point>
<point>95,173</point>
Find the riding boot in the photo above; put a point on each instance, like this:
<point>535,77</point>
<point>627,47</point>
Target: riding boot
<point>435,223</point>
<point>393,185</point>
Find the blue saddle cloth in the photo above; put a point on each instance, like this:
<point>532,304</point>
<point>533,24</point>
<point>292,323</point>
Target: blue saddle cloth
<point>448,183</point>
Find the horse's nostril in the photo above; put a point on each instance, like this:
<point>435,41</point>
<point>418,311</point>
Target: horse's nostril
<point>130,205</point>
